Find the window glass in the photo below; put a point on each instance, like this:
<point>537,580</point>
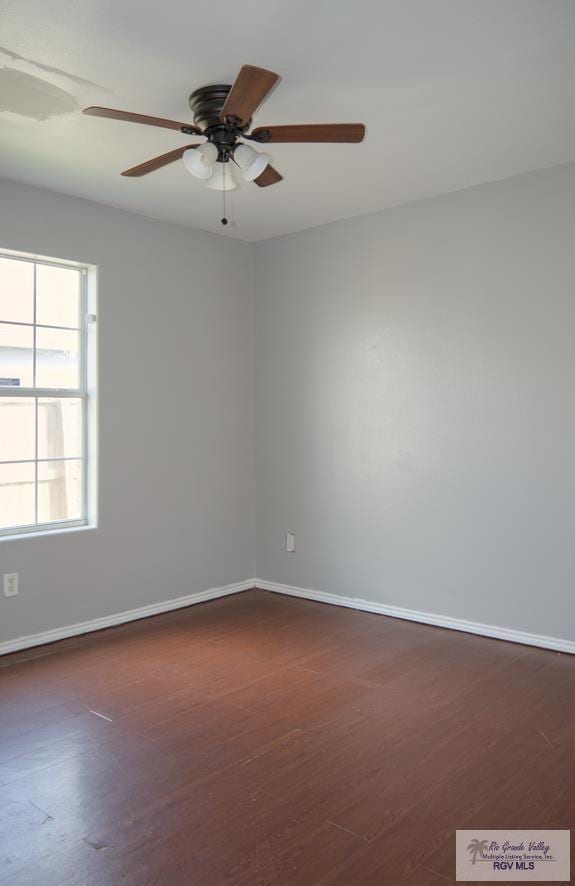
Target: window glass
<point>57,296</point>
<point>57,358</point>
<point>59,427</point>
<point>17,496</point>
<point>17,428</point>
<point>59,491</point>
<point>16,290</point>
<point>16,356</point>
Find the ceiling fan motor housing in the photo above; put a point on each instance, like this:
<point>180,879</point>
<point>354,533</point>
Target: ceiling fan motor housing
<point>207,104</point>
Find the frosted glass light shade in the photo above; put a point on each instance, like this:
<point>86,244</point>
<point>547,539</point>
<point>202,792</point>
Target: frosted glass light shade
<point>200,161</point>
<point>250,162</point>
<point>216,180</point>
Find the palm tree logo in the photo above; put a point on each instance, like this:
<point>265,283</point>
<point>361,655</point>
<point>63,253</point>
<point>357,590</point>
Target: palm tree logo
<point>477,847</point>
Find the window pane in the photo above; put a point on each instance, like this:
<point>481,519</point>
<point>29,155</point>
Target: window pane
<point>16,355</point>
<point>57,363</point>
<point>16,495</point>
<point>17,428</point>
<point>59,427</point>
<point>59,491</point>
<point>16,291</point>
<point>57,296</point>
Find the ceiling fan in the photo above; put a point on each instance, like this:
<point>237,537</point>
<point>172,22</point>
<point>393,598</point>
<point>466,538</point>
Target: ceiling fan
<point>222,114</point>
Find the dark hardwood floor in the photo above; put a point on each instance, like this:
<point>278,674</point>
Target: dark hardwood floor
<point>261,739</point>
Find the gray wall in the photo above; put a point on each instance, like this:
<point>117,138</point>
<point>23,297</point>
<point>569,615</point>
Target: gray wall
<point>176,445</point>
<point>415,419</point>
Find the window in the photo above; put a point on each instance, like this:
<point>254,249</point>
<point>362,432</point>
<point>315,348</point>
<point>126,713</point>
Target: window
<point>45,398</point>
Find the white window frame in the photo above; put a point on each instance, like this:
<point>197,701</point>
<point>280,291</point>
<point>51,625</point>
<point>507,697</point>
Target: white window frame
<point>86,392</point>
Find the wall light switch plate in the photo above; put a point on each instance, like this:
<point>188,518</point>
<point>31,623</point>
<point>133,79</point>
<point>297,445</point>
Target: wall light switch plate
<point>10,584</point>
<point>290,542</point>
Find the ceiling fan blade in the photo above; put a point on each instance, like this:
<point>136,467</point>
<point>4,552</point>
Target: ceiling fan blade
<point>312,132</point>
<point>250,88</point>
<point>113,114</point>
<point>157,162</point>
<point>269,176</point>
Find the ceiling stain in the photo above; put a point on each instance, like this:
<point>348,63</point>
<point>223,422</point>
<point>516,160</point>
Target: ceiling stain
<point>30,96</point>
<point>81,81</point>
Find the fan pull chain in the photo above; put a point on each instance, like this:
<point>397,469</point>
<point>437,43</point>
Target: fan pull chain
<point>224,219</point>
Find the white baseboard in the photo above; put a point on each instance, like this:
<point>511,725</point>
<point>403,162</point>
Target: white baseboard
<point>429,618</point>
<point>108,621</point>
<point>442,621</point>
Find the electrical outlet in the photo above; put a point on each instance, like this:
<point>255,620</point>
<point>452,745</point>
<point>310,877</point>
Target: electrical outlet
<point>290,542</point>
<point>10,584</point>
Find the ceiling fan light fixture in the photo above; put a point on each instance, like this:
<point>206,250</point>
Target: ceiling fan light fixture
<point>251,162</point>
<point>200,161</point>
<point>222,115</point>
<point>220,181</point>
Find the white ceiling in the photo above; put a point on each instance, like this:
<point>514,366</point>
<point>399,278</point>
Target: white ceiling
<point>453,93</point>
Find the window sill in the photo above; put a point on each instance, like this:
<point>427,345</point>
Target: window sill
<point>42,533</point>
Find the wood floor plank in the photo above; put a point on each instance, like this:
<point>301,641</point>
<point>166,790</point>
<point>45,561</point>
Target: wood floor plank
<point>261,739</point>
